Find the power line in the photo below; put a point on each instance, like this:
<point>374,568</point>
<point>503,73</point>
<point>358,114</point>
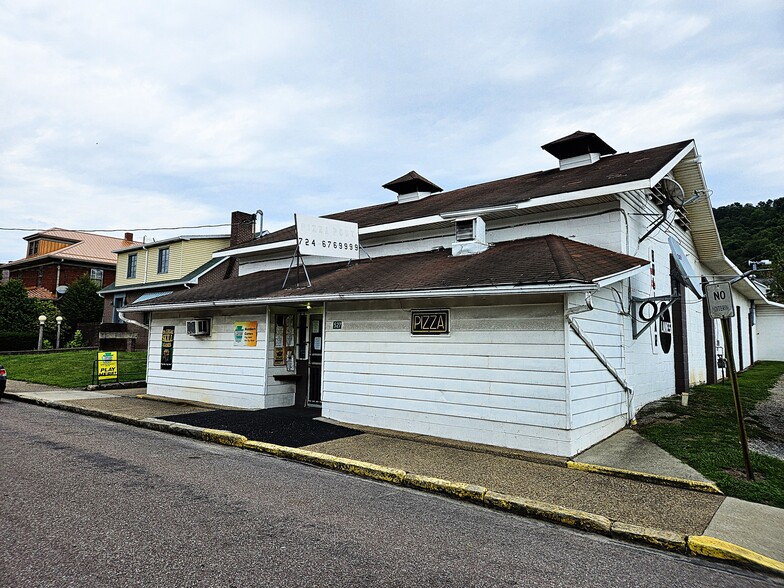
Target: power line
<point>29,230</point>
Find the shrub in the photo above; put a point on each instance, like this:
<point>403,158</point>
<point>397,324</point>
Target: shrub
<point>77,341</point>
<point>14,341</point>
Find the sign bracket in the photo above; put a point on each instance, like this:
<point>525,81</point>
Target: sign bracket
<point>638,304</point>
<point>298,257</point>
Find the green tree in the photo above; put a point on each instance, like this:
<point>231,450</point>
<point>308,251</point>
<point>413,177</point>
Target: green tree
<point>17,310</point>
<point>81,303</point>
<point>777,276</point>
<point>751,231</point>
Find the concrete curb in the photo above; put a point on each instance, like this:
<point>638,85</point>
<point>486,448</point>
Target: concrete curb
<point>708,487</point>
<point>460,490</point>
<point>697,545</point>
<point>713,548</point>
<point>550,512</point>
<point>654,537</point>
<point>351,466</point>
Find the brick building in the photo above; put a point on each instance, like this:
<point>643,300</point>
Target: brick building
<point>57,257</point>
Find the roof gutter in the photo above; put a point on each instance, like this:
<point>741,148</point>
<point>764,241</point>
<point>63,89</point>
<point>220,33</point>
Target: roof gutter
<point>461,293</point>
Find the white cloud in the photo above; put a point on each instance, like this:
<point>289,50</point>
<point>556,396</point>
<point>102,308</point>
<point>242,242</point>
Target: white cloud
<point>656,29</point>
<point>175,113</point>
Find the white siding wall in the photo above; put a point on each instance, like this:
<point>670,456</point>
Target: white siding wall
<point>600,226</point>
<point>598,401</point>
<point>651,371</point>
<point>742,360</point>
<point>497,378</point>
<point>209,369</point>
<point>770,333</point>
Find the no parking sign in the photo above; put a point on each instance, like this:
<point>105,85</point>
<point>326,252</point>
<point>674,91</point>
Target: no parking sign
<point>719,297</point>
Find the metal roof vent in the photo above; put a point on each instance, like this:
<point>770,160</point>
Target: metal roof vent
<point>470,236</point>
<point>578,149</point>
<point>411,187</point>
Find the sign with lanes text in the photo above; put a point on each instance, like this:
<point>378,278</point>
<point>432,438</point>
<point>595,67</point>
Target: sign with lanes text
<point>327,237</point>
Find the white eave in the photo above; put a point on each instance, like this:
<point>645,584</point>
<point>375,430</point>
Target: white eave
<point>370,231</point>
<point>617,277</point>
<point>562,288</point>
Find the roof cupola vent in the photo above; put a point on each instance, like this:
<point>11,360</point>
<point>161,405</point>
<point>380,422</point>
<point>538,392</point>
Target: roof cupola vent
<point>411,187</point>
<point>578,149</point>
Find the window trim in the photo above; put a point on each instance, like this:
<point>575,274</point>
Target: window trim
<point>131,270</point>
<point>115,314</point>
<point>163,260</point>
<point>94,273</point>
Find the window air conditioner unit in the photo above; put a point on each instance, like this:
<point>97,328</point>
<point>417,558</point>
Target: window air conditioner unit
<point>198,327</point>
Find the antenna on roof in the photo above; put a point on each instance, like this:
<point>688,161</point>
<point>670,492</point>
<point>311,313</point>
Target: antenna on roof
<point>671,194</point>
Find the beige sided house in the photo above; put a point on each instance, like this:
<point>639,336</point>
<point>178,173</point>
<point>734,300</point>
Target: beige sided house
<point>149,270</point>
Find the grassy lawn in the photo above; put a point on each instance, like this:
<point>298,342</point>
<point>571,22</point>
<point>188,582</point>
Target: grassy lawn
<point>69,369</point>
<point>705,435</point>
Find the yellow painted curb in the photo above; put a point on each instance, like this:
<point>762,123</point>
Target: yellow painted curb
<point>550,512</point>
<point>655,537</point>
<point>457,489</point>
<point>708,487</point>
<point>224,437</point>
<point>719,549</point>
<point>352,466</point>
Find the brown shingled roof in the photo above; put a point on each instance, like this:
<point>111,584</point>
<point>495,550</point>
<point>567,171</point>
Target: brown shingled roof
<point>608,171</point>
<point>548,260</point>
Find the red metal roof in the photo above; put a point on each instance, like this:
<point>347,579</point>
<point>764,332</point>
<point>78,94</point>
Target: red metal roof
<point>85,247</point>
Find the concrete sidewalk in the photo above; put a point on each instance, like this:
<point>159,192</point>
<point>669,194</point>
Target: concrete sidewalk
<point>633,488</point>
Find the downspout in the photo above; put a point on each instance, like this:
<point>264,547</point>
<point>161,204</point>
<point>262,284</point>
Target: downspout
<point>630,412</point>
<point>146,258</point>
<point>125,319</point>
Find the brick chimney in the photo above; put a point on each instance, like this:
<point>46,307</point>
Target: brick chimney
<point>243,227</point>
<point>129,236</point>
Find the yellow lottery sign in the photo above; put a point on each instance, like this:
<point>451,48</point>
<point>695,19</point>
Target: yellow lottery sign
<point>107,365</point>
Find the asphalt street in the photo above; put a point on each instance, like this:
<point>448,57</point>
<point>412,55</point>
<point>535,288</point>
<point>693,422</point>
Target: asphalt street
<point>87,502</point>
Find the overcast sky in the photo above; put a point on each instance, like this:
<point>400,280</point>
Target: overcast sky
<point>139,115</point>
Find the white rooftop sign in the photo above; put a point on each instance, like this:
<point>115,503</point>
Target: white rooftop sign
<point>327,237</point>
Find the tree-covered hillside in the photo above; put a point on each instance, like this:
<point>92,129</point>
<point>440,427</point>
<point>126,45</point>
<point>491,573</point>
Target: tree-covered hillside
<point>754,232</point>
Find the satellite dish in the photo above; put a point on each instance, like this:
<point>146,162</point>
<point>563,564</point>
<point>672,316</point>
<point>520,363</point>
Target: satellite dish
<point>61,290</point>
<point>672,192</point>
<point>684,272</point>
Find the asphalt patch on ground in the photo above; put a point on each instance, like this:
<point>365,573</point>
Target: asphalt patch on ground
<point>290,426</point>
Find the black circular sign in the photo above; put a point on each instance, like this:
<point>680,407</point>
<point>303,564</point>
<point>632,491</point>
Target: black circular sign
<point>665,330</point>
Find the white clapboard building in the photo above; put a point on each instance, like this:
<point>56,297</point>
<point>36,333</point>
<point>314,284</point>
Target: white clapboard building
<point>537,312</point>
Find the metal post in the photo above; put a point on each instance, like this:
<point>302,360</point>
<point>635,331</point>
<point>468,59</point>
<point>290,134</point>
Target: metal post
<point>59,320</point>
<point>730,355</point>
<point>40,336</point>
